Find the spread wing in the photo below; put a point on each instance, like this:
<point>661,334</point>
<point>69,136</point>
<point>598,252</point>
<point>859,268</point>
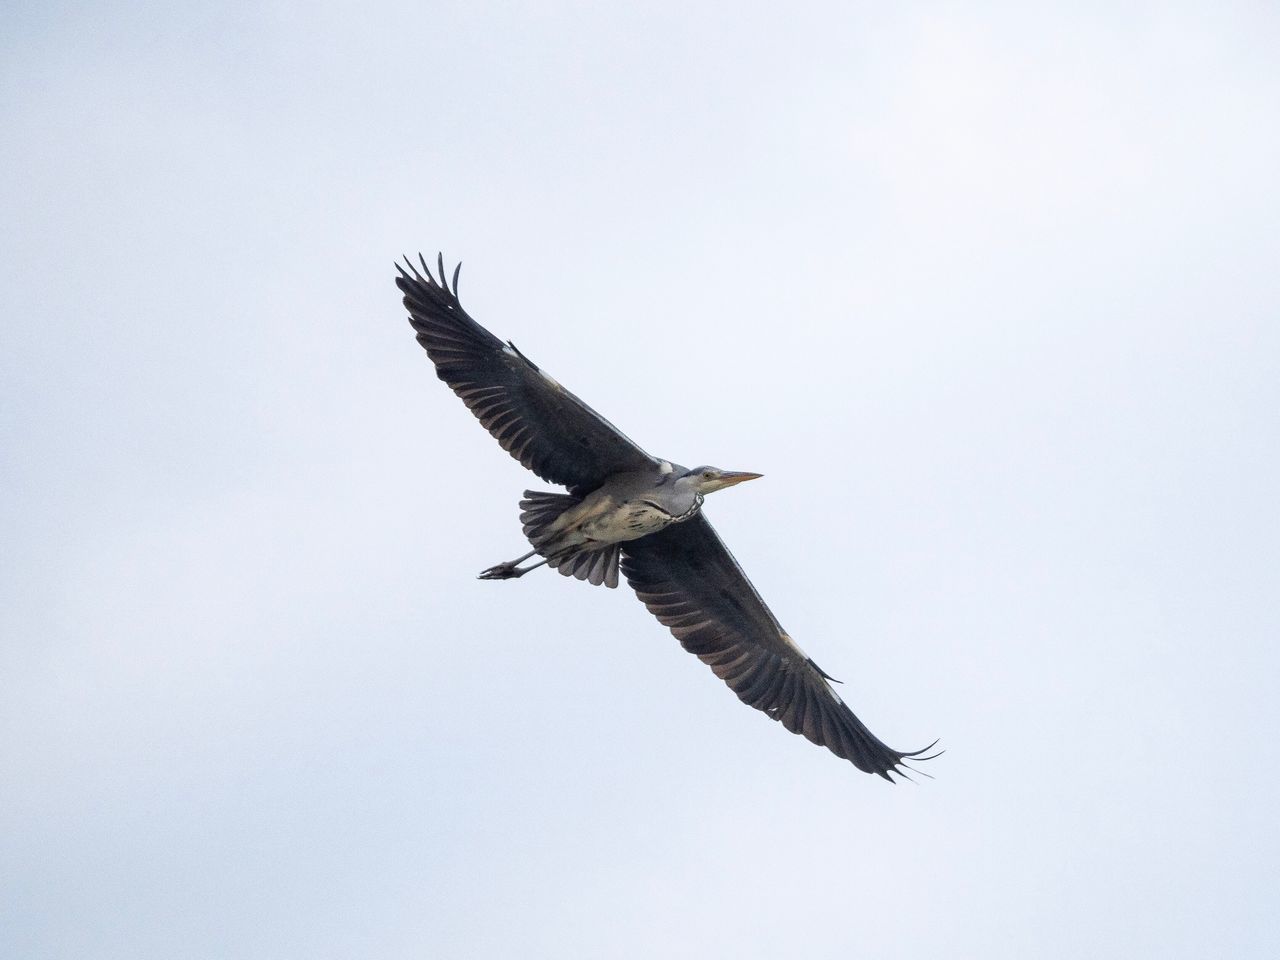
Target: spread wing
<point>537,421</point>
<point>688,579</point>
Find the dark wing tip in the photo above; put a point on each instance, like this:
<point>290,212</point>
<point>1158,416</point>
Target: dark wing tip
<point>919,755</point>
<point>407,275</point>
<point>421,281</point>
<point>899,767</point>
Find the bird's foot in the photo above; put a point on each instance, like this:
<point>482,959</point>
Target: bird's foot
<point>503,571</point>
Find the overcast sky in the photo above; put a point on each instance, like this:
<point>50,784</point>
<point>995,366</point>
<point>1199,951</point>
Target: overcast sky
<point>988,292</point>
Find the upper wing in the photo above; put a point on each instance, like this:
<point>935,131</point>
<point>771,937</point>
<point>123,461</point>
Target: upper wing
<point>536,420</point>
<point>688,579</point>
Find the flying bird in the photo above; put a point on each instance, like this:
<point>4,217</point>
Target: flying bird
<point>627,511</point>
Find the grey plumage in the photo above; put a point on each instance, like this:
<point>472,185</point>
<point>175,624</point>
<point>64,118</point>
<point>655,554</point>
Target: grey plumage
<point>631,512</point>
<point>538,515</point>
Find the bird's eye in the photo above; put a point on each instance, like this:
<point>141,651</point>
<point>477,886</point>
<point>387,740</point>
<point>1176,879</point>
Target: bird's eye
<point>707,474</point>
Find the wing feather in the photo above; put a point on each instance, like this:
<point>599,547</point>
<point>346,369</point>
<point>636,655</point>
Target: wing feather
<point>544,426</point>
<point>688,579</point>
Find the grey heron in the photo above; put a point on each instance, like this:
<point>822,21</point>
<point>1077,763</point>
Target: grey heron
<point>628,511</point>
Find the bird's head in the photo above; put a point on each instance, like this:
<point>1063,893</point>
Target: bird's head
<point>710,479</point>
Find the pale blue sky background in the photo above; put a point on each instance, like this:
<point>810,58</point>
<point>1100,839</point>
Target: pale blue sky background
<point>988,291</point>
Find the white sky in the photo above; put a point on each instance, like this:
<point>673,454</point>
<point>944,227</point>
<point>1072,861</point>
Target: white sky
<point>988,292</point>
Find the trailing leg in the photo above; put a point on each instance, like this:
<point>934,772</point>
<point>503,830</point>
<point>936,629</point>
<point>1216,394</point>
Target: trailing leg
<point>511,569</point>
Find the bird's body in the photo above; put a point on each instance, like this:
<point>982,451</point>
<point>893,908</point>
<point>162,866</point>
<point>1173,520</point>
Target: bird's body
<point>629,512</point>
<point>582,537</point>
<point>628,506</point>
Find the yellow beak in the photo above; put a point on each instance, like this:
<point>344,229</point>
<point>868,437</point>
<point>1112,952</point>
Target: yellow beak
<point>728,479</point>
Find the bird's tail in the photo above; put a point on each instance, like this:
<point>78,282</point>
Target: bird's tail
<point>538,513</point>
<point>599,566</point>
